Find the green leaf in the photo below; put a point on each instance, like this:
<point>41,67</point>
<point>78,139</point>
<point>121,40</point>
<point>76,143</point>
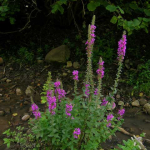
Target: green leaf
<point>93,5</point>
<point>111,8</point>
<point>146,19</point>
<point>147,12</point>
<point>12,20</point>
<point>121,10</point>
<point>114,20</point>
<point>136,22</point>
<point>133,6</point>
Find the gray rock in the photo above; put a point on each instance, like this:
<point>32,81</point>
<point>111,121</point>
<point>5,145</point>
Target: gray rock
<point>29,91</point>
<point>121,103</point>
<point>136,103</point>
<point>2,113</point>
<point>118,96</point>
<point>64,74</point>
<point>59,54</point>
<point>69,64</point>
<point>142,101</point>
<point>8,80</point>
<point>1,95</point>
<point>146,108</point>
<point>76,65</point>
<point>25,117</point>
<point>18,91</point>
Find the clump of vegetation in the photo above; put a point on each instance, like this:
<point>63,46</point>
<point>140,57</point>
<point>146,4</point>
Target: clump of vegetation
<point>86,121</point>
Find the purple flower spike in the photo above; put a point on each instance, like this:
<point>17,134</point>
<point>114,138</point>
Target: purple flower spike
<point>57,84</point>
<point>121,112</point>
<point>75,74</point>
<point>68,109</point>
<point>104,103</point>
<point>122,48</point>
<point>76,133</point>
<point>110,117</point>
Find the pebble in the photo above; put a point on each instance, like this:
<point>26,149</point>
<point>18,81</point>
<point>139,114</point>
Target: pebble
<point>69,64</point>
<point>64,74</point>
<point>136,103</point>
<point>121,103</point>
<point>118,96</point>
<point>2,113</point>
<point>18,91</point>
<point>8,80</point>
<point>39,61</point>
<point>7,110</point>
<point>1,95</point>
<point>147,108</point>
<point>4,79</point>
<point>25,117</point>
<point>29,90</point>
<point>142,101</point>
<point>76,65</point>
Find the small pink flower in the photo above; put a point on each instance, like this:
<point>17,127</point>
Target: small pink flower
<point>110,117</point>
<point>57,84</point>
<point>76,133</point>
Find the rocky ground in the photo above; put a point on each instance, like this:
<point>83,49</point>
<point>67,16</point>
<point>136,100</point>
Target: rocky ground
<point>17,82</point>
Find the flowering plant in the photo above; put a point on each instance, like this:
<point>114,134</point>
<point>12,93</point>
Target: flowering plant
<point>86,121</point>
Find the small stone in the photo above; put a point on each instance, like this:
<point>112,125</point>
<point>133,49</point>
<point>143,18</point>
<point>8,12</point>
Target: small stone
<point>2,113</point>
<point>1,95</point>
<point>121,103</point>
<point>18,91</point>
<point>146,108</point>
<point>76,65</point>
<point>118,96</point>
<point>8,80</point>
<point>29,91</point>
<point>136,103</point>
<point>127,105</point>
<point>39,61</point>
<point>25,117</point>
<point>7,110</point>
<point>26,103</point>
<point>69,64</point>
<point>64,74</point>
<point>1,60</point>
<point>4,79</point>
<point>142,101</point>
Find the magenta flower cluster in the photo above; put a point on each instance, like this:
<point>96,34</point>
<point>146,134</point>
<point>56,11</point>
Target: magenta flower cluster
<point>96,92</point>
<point>76,133</point>
<point>75,74</point>
<point>35,111</point>
<point>92,40</point>
<point>51,104</point>
<point>68,109</point>
<point>122,48</point>
<point>121,113</point>
<point>104,102</point>
<point>57,84</point>
<point>100,70</point>
<point>109,118</point>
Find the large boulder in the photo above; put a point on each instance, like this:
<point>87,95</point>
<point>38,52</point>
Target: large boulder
<point>60,54</point>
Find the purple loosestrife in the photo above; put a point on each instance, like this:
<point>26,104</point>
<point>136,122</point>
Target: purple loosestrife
<point>35,111</point>
<point>113,105</point>
<point>68,109</point>
<point>104,103</point>
<point>75,74</point>
<point>89,49</point>
<point>96,92</point>
<point>51,104</point>
<point>76,133</point>
<point>109,118</point>
<point>122,48</point>
<point>57,84</point>
<point>100,70</point>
